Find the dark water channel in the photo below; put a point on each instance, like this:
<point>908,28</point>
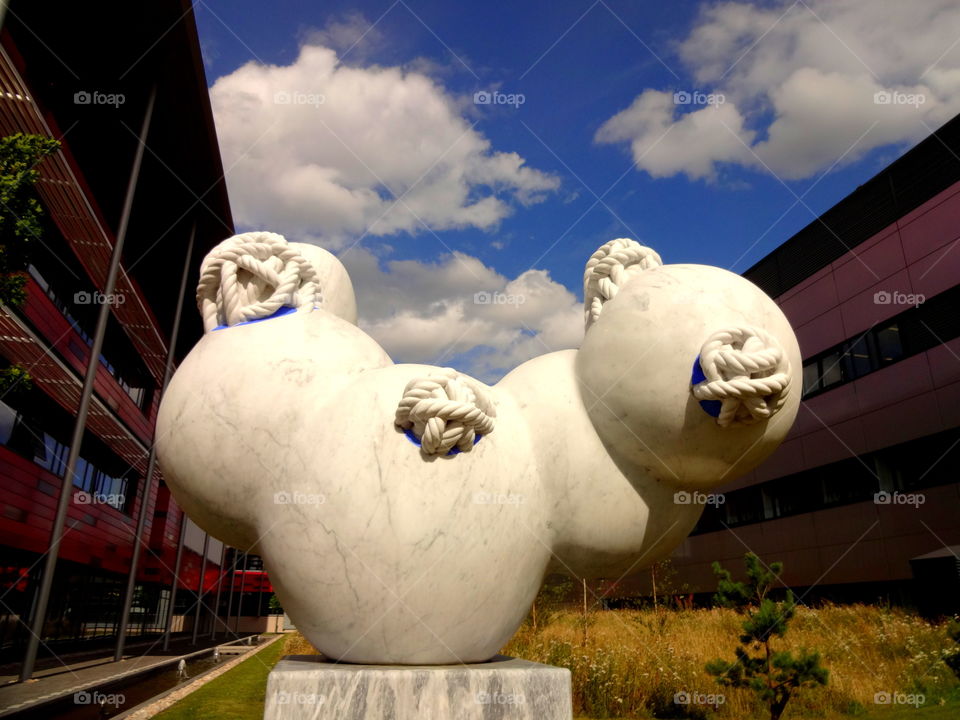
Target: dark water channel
<point>112,699</point>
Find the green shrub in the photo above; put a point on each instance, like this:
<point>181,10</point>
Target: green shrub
<point>773,675</point>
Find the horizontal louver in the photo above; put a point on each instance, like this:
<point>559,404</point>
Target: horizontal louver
<point>929,168</point>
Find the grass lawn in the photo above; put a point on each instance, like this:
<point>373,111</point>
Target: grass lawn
<point>238,694</point>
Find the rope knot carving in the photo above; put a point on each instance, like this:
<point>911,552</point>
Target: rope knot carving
<point>251,276</point>
<point>609,268</point>
<point>747,371</point>
<point>446,409</point>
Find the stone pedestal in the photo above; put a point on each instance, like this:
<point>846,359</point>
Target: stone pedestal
<point>304,686</point>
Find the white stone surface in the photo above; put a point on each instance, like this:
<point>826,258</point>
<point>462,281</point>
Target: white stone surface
<point>636,362</point>
<point>505,688</point>
<point>278,437</point>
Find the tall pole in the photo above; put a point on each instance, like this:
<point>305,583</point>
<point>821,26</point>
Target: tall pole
<point>243,579</point>
<point>233,581</point>
<point>203,572</point>
<point>260,592</point>
<point>86,394</point>
<point>216,603</point>
<point>173,589</point>
<point>152,462</point>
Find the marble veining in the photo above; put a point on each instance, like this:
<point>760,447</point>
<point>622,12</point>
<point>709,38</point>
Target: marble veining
<point>301,687</point>
<point>280,437</point>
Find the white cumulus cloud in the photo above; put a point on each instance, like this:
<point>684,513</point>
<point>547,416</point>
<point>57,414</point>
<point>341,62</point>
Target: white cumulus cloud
<point>323,150</point>
<point>433,311</point>
<point>804,85</point>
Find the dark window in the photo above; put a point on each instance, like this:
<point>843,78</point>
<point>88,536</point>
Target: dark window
<point>35,427</point>
<point>848,481</point>
<point>830,371</point>
<point>744,507</point>
<point>913,331</point>
<point>52,455</point>
<point>787,496</point>
<point>119,357</point>
<point>889,346</point>
<point>811,377</point>
<point>858,360</point>
<point>917,464</point>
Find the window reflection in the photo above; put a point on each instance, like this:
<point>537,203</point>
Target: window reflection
<point>888,342</point>
<point>26,437</point>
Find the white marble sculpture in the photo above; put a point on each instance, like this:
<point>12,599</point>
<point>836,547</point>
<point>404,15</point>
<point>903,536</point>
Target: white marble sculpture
<point>407,514</point>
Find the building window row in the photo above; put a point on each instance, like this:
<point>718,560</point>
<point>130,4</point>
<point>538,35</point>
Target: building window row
<point>36,429</point>
<point>911,332</point>
<point>905,468</point>
<point>139,390</point>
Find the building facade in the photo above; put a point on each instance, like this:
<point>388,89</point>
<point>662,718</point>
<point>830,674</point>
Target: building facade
<point>138,157</point>
<point>868,481</point>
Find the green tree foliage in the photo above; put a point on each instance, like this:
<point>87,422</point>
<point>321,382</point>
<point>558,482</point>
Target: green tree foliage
<point>773,675</point>
<point>14,378</point>
<point>20,213</point>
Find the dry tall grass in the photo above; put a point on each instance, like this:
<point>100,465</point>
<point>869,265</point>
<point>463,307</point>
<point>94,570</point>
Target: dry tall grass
<point>635,661</point>
<point>297,644</point>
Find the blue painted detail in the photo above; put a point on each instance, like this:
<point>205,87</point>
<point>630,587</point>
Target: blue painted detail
<point>453,451</point>
<point>284,310</point>
<point>710,407</point>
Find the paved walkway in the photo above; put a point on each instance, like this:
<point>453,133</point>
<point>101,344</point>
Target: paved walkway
<point>55,682</point>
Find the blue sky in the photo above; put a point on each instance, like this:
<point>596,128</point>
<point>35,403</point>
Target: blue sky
<point>602,148</point>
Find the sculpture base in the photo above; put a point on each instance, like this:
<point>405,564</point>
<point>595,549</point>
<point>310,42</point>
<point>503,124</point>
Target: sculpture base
<point>305,686</point>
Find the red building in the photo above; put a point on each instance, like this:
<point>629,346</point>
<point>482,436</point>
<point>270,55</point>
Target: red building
<point>133,122</point>
<point>862,500</point>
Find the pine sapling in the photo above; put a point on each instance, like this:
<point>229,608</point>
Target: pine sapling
<point>775,676</point>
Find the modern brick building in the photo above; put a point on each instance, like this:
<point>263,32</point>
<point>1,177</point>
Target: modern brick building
<point>872,288</point>
<point>111,82</point>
